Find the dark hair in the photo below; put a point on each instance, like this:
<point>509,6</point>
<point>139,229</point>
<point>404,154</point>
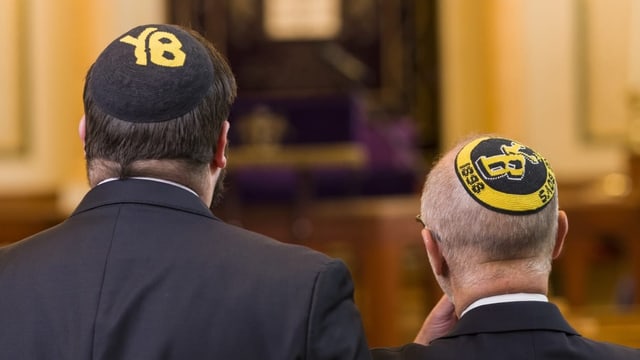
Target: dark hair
<point>189,140</point>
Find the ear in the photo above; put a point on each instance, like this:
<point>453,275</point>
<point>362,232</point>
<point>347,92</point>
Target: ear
<point>563,228</point>
<point>220,158</point>
<point>82,129</point>
<point>438,262</point>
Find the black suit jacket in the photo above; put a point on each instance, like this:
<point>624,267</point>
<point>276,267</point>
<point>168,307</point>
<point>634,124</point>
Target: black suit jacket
<point>143,270</point>
<point>518,330</point>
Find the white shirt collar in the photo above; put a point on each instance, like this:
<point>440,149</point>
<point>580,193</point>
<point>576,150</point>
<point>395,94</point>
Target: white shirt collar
<point>504,299</point>
<point>152,179</point>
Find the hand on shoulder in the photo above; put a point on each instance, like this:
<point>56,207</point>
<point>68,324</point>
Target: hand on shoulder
<point>438,323</point>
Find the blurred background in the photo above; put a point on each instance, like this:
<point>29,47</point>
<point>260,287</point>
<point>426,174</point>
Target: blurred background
<point>343,105</point>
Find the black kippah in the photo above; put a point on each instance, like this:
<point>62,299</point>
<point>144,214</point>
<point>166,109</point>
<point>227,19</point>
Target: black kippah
<point>152,73</point>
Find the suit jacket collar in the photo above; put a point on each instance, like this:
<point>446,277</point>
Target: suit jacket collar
<point>512,316</point>
<point>137,191</point>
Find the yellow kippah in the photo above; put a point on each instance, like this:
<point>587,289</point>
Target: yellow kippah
<point>505,176</point>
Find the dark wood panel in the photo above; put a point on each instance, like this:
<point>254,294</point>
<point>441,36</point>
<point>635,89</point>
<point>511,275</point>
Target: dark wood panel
<point>395,40</point>
<point>22,216</point>
<point>376,37</point>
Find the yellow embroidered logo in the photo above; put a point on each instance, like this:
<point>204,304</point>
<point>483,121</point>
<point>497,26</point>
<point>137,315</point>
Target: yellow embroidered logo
<point>164,48</point>
<point>505,176</point>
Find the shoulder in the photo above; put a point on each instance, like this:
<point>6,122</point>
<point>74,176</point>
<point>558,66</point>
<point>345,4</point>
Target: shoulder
<point>409,351</point>
<point>37,247</point>
<point>572,347</point>
<point>270,256</point>
<point>234,236</point>
<point>605,350</point>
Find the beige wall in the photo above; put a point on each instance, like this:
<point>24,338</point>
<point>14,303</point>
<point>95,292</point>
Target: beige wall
<point>45,75</point>
<point>466,77</point>
<point>52,45</point>
<point>517,68</point>
<point>9,107</point>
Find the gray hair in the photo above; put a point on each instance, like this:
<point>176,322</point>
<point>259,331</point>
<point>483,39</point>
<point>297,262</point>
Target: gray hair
<point>469,233</point>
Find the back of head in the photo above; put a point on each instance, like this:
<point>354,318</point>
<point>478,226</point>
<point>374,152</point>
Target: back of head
<point>158,93</point>
<point>492,200</point>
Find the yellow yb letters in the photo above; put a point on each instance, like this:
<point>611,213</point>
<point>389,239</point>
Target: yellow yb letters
<point>161,44</point>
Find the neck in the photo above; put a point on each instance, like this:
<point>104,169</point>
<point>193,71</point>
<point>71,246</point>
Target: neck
<point>496,280</point>
<point>196,178</point>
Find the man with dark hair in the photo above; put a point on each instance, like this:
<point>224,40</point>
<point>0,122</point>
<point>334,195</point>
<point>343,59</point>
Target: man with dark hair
<point>142,269</point>
<point>491,227</point>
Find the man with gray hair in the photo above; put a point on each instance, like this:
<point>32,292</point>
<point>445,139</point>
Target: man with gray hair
<point>491,227</point>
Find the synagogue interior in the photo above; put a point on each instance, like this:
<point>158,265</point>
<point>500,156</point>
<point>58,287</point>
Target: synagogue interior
<point>343,105</point>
